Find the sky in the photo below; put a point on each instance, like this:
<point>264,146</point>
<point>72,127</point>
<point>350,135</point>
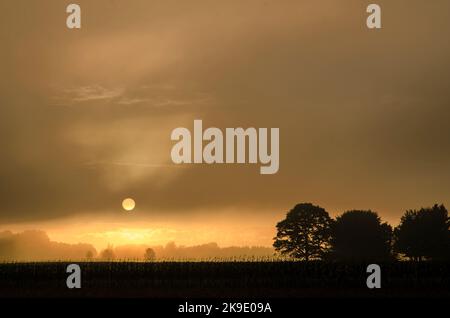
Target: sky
<point>86,115</point>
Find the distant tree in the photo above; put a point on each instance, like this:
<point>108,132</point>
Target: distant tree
<point>149,255</point>
<point>89,255</point>
<point>360,236</point>
<point>108,254</point>
<point>304,233</point>
<point>424,234</point>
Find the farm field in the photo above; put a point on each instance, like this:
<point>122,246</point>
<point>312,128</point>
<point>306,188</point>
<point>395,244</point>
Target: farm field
<point>216,279</point>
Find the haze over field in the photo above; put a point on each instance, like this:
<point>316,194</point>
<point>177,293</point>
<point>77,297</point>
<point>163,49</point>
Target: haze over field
<point>86,116</point>
<point>36,246</point>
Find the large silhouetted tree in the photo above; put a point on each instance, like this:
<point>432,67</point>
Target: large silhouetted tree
<point>423,234</point>
<point>305,232</point>
<point>360,236</point>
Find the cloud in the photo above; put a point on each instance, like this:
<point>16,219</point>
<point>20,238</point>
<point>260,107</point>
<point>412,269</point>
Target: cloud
<point>91,93</point>
<point>131,101</point>
<point>362,115</point>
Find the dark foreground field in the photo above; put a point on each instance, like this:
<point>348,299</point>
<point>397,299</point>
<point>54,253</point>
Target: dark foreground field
<point>224,279</point>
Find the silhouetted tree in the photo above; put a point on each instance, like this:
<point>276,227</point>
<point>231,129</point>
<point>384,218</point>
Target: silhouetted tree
<point>149,255</point>
<point>89,255</point>
<point>424,233</point>
<point>305,232</point>
<point>360,236</point>
<point>108,254</point>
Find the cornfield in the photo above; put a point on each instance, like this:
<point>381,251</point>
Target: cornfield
<point>215,278</point>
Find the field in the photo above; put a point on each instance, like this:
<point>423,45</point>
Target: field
<point>273,279</point>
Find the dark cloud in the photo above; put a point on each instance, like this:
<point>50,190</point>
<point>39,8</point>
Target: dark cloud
<point>86,116</point>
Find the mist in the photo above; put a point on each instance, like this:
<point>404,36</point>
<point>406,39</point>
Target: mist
<point>35,245</point>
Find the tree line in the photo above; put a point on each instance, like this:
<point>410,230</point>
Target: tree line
<point>309,233</point>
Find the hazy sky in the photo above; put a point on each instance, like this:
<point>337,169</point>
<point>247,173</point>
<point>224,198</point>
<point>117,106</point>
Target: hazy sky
<point>86,115</point>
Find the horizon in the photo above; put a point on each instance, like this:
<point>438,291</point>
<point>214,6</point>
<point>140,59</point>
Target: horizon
<point>130,239</point>
<point>101,234</point>
<point>37,246</point>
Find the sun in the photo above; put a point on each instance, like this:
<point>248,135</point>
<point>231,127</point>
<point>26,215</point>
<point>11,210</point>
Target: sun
<point>128,204</point>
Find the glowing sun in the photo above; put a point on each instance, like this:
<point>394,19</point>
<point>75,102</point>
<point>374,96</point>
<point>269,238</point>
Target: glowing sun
<point>128,204</point>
